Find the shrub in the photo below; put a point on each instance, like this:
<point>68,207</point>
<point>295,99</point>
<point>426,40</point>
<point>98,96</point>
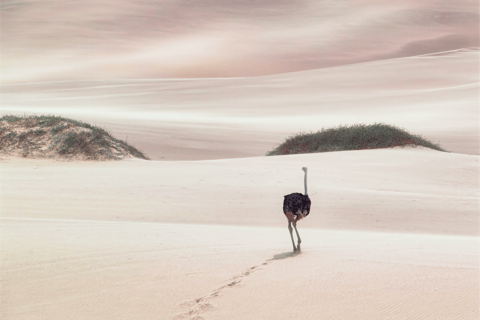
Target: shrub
<point>69,139</point>
<point>355,137</point>
<point>38,132</point>
<point>57,128</point>
<point>10,118</point>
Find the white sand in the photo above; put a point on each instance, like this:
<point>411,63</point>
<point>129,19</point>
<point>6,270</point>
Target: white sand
<point>407,190</point>
<point>436,96</point>
<point>97,270</point>
<point>392,234</point>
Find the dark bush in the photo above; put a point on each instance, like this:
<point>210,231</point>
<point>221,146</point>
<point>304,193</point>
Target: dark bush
<point>355,137</point>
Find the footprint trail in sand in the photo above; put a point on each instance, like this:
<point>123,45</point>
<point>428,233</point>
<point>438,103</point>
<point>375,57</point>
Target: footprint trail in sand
<point>204,304</point>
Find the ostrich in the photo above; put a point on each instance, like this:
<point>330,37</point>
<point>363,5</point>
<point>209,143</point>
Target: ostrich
<point>296,206</point>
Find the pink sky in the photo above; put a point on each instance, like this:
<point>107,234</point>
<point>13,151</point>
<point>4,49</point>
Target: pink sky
<point>58,40</point>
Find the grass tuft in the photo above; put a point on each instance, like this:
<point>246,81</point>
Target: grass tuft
<point>355,137</point>
<point>10,118</point>
<point>10,135</point>
<point>58,128</point>
<point>38,132</point>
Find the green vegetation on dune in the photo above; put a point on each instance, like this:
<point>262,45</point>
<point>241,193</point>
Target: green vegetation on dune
<point>355,137</point>
<point>53,136</point>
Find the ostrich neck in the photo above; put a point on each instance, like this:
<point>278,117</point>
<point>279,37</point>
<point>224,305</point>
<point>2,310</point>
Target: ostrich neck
<point>305,183</point>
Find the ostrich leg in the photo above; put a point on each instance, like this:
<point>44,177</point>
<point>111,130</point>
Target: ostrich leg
<point>298,236</point>
<point>291,235</point>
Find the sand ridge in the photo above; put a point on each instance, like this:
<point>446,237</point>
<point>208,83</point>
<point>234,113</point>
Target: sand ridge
<point>383,190</point>
<point>199,232</point>
<point>200,119</point>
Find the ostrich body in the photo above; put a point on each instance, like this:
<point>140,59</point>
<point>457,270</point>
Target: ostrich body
<point>296,206</point>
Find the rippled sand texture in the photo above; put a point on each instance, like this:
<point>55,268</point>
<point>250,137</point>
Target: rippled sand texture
<point>436,96</point>
<point>206,88</point>
<point>392,234</point>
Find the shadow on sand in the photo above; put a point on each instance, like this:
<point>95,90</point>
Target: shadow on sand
<point>284,255</point>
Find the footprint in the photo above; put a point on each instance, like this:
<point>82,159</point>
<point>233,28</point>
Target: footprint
<point>231,284</point>
<point>194,313</point>
<point>203,304</point>
<point>187,316</point>
<point>187,304</point>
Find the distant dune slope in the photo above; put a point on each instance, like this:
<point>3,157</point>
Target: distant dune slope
<point>435,95</point>
<point>47,40</point>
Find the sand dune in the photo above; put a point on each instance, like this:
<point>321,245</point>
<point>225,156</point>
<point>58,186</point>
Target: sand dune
<point>197,119</point>
<point>382,190</point>
<point>392,234</point>
<point>199,232</point>
<point>151,39</point>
